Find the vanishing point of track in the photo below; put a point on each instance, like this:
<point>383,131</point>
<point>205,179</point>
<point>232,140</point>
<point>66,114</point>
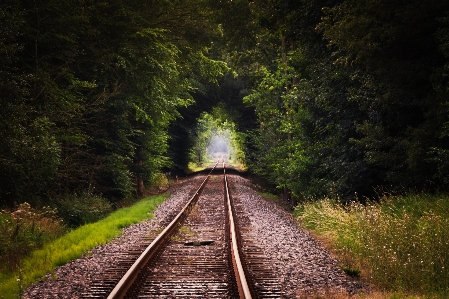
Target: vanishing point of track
<point>200,254</point>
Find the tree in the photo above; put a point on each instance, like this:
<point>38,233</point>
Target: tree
<point>370,109</point>
<point>390,49</point>
<point>28,152</point>
<point>96,87</point>
<point>215,134</point>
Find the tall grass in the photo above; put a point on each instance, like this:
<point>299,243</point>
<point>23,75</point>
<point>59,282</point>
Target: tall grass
<point>194,167</point>
<point>73,245</point>
<point>25,229</point>
<point>400,244</point>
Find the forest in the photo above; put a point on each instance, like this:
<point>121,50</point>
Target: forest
<point>339,98</point>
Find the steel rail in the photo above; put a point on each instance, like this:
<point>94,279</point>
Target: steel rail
<point>242,283</point>
<point>128,279</point>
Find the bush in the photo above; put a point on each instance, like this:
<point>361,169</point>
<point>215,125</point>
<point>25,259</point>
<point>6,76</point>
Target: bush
<point>24,229</point>
<point>158,183</point>
<point>77,210</point>
<point>73,245</point>
<point>400,244</point>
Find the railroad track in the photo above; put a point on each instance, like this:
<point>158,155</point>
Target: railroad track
<point>200,254</point>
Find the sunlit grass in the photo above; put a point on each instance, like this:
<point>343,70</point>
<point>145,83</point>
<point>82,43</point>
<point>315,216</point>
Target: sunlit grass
<point>73,245</point>
<point>401,245</point>
<point>195,167</point>
<point>237,165</point>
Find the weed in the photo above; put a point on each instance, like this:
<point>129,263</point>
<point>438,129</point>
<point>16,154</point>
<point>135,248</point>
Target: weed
<point>25,229</point>
<point>195,167</point>
<point>70,246</point>
<point>185,230</point>
<point>183,233</point>
<point>156,231</point>
<point>401,244</point>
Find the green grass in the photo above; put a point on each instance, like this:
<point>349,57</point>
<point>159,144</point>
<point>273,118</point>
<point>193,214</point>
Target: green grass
<point>237,165</point>
<point>25,229</point>
<point>73,245</point>
<point>400,244</point>
<point>195,167</point>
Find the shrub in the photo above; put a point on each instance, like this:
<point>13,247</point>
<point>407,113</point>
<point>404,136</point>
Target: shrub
<point>24,229</point>
<point>77,210</point>
<point>72,245</point>
<point>400,244</point>
<point>158,183</point>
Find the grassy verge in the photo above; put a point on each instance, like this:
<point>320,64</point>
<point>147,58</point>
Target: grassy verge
<point>195,167</point>
<point>73,245</point>
<point>237,165</point>
<point>401,244</point>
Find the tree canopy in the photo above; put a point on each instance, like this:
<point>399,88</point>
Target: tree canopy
<point>329,98</point>
<point>354,98</point>
<point>90,88</point>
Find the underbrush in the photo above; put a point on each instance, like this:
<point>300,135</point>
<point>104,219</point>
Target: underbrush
<point>25,229</point>
<point>159,183</point>
<point>195,167</point>
<point>81,209</point>
<point>237,164</point>
<point>72,245</point>
<point>400,244</point>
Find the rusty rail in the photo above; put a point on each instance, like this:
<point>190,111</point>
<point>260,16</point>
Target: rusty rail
<point>128,279</point>
<point>242,284</point>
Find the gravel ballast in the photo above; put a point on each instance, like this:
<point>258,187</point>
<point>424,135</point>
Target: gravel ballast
<point>304,268</point>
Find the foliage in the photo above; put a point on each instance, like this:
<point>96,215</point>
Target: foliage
<point>400,243</point>
<point>356,99</point>
<point>82,209</point>
<point>74,244</point>
<point>215,134</point>
<point>89,91</point>
<point>342,95</point>
<point>28,152</point>
<point>440,156</point>
<point>222,101</point>
<point>25,229</point>
<point>395,64</point>
<point>279,108</point>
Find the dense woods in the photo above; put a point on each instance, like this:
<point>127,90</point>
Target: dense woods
<point>89,90</point>
<point>340,98</point>
<point>354,101</point>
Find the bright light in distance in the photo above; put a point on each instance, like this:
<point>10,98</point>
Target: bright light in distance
<point>218,144</point>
